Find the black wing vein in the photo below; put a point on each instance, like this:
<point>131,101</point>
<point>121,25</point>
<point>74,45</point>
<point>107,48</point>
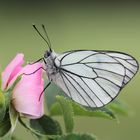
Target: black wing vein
<point>66,85</point>
<point>75,89</point>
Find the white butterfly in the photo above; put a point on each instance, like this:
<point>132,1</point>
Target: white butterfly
<point>90,78</point>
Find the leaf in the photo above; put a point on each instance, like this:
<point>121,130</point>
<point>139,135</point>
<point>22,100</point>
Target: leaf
<point>5,125</point>
<point>45,126</point>
<point>25,125</point>
<point>76,137</point>
<point>67,112</point>
<point>13,117</point>
<point>82,111</point>
<point>119,108</point>
<point>106,113</point>
<point>91,112</point>
<point>2,106</point>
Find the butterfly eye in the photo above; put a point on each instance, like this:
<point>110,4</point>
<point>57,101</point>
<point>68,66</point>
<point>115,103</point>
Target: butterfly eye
<point>47,54</point>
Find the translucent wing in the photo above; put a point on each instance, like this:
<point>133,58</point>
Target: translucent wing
<point>94,78</point>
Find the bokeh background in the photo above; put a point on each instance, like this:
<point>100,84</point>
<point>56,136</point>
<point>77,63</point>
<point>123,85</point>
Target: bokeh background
<point>89,24</point>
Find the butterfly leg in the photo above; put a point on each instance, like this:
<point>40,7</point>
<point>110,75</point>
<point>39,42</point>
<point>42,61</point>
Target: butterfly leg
<point>34,71</point>
<point>41,59</point>
<point>45,86</point>
<point>44,90</point>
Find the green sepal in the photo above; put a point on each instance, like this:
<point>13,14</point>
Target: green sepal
<point>5,125</point>
<point>13,117</point>
<point>2,106</point>
<point>9,90</point>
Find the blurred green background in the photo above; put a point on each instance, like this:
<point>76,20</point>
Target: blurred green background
<point>72,25</point>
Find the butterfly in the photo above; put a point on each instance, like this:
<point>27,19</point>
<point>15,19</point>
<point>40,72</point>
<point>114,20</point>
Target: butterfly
<point>92,78</point>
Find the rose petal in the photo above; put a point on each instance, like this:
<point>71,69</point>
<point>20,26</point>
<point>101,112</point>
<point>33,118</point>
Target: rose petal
<point>27,92</point>
<point>11,70</point>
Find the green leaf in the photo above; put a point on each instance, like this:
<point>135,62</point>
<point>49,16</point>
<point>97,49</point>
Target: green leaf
<point>119,108</point>
<point>45,126</point>
<point>91,112</point>
<point>67,111</point>
<point>25,125</point>
<point>76,137</point>
<point>5,125</point>
<point>13,117</point>
<point>2,106</point>
<point>82,111</point>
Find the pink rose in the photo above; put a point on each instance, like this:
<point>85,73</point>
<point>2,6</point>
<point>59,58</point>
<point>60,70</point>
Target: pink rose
<point>25,95</point>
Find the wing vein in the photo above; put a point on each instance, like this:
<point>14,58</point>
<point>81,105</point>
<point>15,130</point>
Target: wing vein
<point>104,70</point>
<point>87,57</point>
<point>76,89</point>
<point>81,88</point>
<point>90,62</point>
<point>66,85</point>
<point>103,89</point>
<point>109,81</point>
<point>62,69</point>
<point>92,90</point>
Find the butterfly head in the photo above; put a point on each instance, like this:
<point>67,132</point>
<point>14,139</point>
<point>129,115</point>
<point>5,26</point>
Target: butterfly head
<point>47,53</point>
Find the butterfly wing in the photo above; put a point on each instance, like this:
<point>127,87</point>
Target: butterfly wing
<point>94,78</point>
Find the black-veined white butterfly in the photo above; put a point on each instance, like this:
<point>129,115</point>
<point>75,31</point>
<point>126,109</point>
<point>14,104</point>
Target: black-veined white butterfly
<point>89,77</point>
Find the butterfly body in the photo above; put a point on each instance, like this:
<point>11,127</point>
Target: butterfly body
<point>50,67</point>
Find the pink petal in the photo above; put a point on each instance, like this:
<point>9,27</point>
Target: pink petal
<point>11,70</point>
<point>27,92</point>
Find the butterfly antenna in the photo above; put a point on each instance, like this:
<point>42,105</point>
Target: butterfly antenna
<point>47,36</point>
<point>48,42</point>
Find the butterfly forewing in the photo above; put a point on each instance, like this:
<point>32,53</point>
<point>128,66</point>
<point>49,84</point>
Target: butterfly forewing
<point>94,78</point>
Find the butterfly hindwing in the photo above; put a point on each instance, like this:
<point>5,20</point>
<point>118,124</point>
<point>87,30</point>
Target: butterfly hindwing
<point>94,78</point>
